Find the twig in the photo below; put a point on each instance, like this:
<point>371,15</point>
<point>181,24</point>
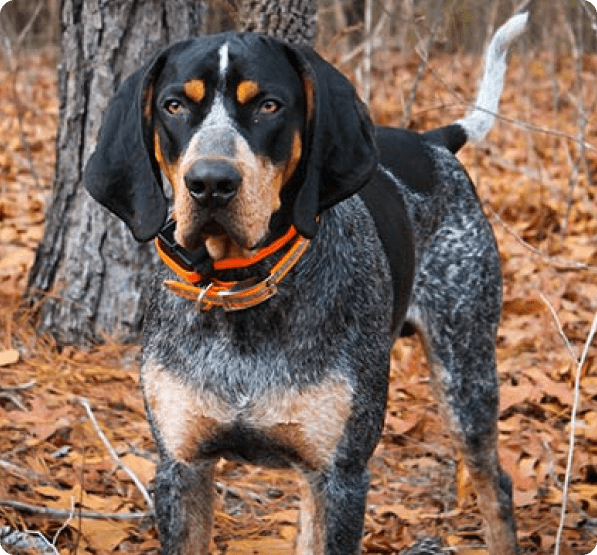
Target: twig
<point>423,64</point>
<point>87,406</point>
<point>26,541</point>
<point>66,523</point>
<point>368,42</point>
<point>579,366</point>
<point>14,69</point>
<point>13,399</point>
<point>61,514</point>
<point>23,34</point>
<point>8,393</point>
<point>577,52</point>
<point>21,387</point>
<point>559,326</point>
<point>557,263</point>
<point>22,472</point>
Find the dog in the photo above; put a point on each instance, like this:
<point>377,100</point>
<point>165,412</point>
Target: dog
<point>302,241</point>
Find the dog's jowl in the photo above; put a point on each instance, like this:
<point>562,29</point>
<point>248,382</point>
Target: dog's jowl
<point>301,241</point>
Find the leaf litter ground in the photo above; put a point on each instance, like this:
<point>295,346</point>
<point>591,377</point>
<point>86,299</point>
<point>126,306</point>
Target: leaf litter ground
<point>538,187</point>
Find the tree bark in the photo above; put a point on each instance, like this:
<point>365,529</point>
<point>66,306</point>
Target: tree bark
<point>291,20</point>
<point>89,275</point>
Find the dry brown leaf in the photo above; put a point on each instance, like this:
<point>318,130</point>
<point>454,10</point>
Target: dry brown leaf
<point>524,306</point>
<point>554,389</point>
<point>511,395</point>
<point>142,467</point>
<point>104,534</point>
<point>8,357</point>
<point>259,546</point>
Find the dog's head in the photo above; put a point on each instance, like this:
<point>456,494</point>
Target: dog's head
<point>253,135</point>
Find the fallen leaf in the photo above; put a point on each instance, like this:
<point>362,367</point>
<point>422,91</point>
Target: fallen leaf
<point>104,534</point>
<point>8,357</point>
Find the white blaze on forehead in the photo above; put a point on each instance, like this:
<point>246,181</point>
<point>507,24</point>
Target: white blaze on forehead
<point>214,134</point>
<point>218,116</point>
<point>223,60</point>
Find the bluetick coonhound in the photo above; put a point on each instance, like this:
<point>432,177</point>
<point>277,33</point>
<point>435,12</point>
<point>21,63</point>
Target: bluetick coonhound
<point>302,241</point>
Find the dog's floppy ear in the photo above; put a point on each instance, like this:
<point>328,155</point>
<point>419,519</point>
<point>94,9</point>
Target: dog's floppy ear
<point>122,173</point>
<point>341,153</point>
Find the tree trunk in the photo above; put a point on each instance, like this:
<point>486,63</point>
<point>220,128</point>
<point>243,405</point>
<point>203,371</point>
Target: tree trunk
<point>89,274</point>
<point>291,20</point>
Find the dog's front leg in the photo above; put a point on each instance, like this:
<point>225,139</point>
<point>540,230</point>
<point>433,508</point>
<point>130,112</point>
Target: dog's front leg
<point>184,497</point>
<point>333,512</point>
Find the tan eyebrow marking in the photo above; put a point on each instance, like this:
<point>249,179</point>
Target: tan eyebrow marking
<point>246,91</point>
<point>169,169</point>
<point>195,90</point>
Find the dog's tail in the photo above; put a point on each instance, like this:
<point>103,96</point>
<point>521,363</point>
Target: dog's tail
<point>477,123</point>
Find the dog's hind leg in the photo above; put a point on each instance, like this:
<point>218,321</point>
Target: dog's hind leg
<point>456,309</point>
<point>184,497</point>
<point>468,405</point>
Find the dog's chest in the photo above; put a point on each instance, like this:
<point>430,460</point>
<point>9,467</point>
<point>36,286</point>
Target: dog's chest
<point>276,383</point>
<point>277,427</point>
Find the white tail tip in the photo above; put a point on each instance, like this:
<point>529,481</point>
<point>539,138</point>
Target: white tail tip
<point>480,120</point>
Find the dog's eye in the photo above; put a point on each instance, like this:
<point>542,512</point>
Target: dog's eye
<point>269,106</point>
<point>173,106</point>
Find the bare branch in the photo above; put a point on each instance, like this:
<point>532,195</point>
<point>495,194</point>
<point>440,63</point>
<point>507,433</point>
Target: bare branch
<point>558,263</point>
<point>579,367</point>
<point>423,53</point>
<point>61,514</point>
<point>87,406</point>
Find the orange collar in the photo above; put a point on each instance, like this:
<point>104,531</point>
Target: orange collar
<point>230,295</point>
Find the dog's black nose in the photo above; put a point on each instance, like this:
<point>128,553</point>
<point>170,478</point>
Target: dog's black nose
<point>213,182</point>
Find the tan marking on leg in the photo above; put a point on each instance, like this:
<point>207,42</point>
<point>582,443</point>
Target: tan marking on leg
<point>501,539</point>
<point>195,90</point>
<point>246,91</point>
<point>184,416</point>
<point>310,538</point>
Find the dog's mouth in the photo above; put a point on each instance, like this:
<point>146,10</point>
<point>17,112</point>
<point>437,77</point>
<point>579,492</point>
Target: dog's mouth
<point>222,242</point>
<point>213,229</point>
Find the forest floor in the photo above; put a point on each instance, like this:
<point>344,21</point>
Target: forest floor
<point>538,187</point>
